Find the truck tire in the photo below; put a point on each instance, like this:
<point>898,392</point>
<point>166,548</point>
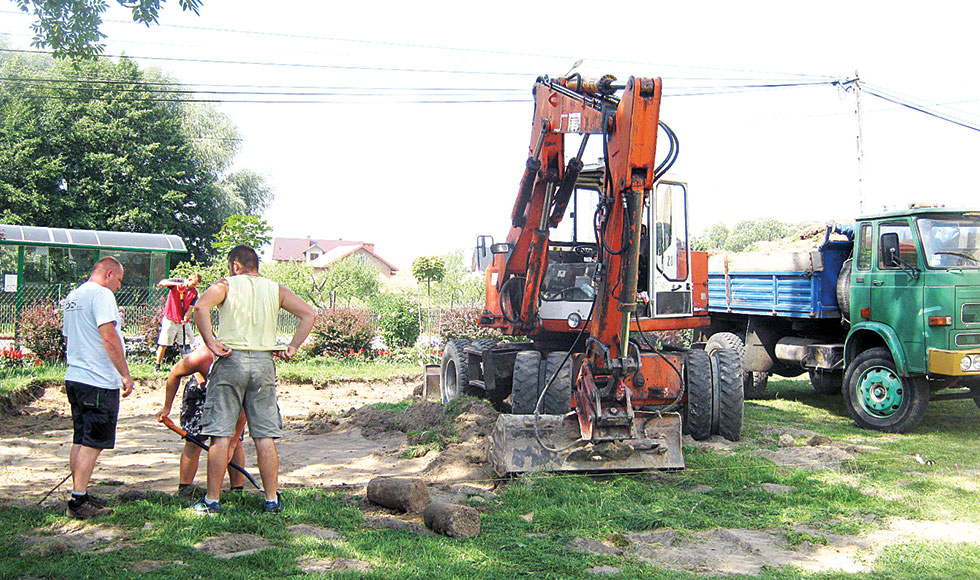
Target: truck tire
<point>878,398</point>
<point>753,383</point>
<point>454,371</point>
<point>727,379</point>
<point>697,412</point>
<point>527,382</point>
<point>502,377</point>
<point>558,398</point>
<point>844,291</point>
<point>826,382</point>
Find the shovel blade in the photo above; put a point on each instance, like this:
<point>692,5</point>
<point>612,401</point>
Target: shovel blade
<point>514,447</point>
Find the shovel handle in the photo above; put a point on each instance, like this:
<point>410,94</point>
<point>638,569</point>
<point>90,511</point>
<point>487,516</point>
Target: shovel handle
<point>170,425</point>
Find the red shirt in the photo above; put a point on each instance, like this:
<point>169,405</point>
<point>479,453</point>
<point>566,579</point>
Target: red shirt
<point>179,301</point>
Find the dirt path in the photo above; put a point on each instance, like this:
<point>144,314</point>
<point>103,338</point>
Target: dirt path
<point>35,443</point>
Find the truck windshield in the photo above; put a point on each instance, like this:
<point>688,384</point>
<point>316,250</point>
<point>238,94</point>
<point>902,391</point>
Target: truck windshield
<point>951,242</point>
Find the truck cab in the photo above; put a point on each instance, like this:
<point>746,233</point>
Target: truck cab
<point>914,311</point>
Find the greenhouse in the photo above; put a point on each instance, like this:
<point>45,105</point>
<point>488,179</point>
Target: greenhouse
<point>43,264</point>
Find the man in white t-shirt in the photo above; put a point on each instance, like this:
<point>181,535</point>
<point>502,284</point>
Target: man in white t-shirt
<point>97,370</point>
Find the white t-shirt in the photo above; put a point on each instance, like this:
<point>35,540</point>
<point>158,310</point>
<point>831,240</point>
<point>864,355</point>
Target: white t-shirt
<point>86,308</point>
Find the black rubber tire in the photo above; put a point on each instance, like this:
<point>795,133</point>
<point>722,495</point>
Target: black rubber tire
<point>753,383</point>
<point>527,382</point>
<point>727,380</point>
<point>558,398</point>
<point>915,393</point>
<point>827,382</point>
<point>454,370</point>
<point>697,412</point>
<point>844,291</point>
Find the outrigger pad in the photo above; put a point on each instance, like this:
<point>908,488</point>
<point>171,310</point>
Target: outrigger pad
<point>515,449</point>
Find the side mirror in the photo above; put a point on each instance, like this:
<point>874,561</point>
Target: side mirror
<point>481,253</point>
<point>888,248</point>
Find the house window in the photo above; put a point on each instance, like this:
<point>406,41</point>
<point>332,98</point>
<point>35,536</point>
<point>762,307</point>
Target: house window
<point>314,256</point>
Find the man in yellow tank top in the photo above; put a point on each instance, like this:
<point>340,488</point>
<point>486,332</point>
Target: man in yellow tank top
<point>243,375</point>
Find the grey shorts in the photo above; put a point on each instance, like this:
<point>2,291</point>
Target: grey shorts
<point>242,380</point>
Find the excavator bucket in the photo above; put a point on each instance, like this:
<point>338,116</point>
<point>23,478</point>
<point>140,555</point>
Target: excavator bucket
<point>523,443</point>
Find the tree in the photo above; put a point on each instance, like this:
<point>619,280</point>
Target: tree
<point>72,28</point>
<point>459,286</point>
<point>89,145</point>
<point>428,269</point>
<point>348,279</point>
<point>242,229</point>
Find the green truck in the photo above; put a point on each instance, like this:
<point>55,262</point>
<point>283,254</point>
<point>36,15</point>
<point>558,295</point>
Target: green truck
<point>885,311</point>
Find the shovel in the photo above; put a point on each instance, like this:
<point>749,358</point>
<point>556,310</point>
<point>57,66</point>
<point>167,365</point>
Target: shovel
<point>188,437</point>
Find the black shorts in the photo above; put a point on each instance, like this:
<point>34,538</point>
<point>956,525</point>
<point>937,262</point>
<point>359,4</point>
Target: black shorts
<point>94,412</point>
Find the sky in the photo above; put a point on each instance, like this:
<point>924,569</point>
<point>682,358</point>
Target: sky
<point>417,115</point>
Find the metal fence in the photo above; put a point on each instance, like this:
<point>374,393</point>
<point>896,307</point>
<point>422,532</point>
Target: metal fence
<point>136,303</point>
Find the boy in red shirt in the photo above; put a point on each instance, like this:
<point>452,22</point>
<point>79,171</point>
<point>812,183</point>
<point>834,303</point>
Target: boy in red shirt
<point>177,313</point>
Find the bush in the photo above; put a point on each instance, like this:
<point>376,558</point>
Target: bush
<point>398,320</point>
<point>461,323</point>
<point>340,331</point>
<point>148,331</point>
<point>40,330</point>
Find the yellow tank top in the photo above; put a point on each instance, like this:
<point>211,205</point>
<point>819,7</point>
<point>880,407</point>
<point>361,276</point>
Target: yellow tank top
<point>248,316</point>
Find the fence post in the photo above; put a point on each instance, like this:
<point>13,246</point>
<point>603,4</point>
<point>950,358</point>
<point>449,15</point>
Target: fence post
<point>19,300</point>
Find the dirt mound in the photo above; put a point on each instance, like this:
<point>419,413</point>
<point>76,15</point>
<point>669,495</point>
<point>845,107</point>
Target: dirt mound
<point>467,459</point>
<point>73,536</point>
<point>11,404</point>
<point>233,545</point>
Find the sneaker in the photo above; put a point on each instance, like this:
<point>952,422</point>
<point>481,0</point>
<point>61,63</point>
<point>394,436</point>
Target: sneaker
<point>87,510</point>
<point>206,508</point>
<point>273,507</point>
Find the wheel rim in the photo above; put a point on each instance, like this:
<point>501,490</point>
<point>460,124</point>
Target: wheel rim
<point>880,392</point>
<point>451,384</point>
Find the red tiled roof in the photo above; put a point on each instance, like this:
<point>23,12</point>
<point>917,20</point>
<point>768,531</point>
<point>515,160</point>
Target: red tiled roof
<point>293,248</point>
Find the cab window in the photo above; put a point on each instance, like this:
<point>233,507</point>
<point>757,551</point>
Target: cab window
<point>906,246</point>
<point>864,248</point>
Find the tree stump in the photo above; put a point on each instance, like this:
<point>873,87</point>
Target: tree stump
<point>455,521</point>
<point>399,493</point>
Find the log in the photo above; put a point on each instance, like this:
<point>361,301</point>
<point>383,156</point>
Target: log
<point>405,494</point>
<point>455,521</point>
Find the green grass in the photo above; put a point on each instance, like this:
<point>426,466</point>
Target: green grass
<point>323,370</point>
<point>882,480</point>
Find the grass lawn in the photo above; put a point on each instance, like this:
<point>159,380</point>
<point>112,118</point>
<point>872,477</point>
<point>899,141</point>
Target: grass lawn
<point>883,480</point>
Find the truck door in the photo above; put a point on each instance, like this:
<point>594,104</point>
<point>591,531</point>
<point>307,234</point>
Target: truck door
<point>896,295</point>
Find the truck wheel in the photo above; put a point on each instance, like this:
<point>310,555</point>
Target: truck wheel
<point>697,413</point>
<point>826,382</point>
<point>558,399</point>
<point>877,398</point>
<point>455,370</point>
<point>727,379</point>
<point>527,382</point>
<point>753,383</point>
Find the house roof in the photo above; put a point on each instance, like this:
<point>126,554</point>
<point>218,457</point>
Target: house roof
<point>295,248</point>
<point>341,252</point>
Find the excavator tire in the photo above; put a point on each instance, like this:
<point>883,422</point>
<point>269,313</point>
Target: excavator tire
<point>753,383</point>
<point>527,382</point>
<point>697,414</point>
<point>558,398</point>
<point>727,378</point>
<point>454,376</point>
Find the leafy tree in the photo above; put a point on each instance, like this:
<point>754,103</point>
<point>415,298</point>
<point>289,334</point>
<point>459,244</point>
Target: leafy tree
<point>714,238</point>
<point>73,27</point>
<point>428,269</point>
<point>298,277</point>
<point>109,155</point>
<point>459,286</point>
<point>242,229</point>
<point>398,319</point>
<point>348,279</point>
<point>248,191</point>
<point>744,234</point>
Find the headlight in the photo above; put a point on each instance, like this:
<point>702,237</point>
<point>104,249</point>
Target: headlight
<point>574,320</point>
<point>976,364</point>
<point>965,363</point>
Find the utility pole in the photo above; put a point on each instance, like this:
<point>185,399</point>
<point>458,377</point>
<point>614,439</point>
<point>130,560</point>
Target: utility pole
<point>856,83</point>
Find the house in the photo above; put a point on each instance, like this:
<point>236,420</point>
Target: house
<point>321,254</point>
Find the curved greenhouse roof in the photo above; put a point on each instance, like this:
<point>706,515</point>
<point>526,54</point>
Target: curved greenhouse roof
<point>35,236</point>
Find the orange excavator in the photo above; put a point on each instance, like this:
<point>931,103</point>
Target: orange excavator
<point>595,387</point>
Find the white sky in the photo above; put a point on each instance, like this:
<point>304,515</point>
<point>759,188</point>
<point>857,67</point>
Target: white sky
<point>423,179</point>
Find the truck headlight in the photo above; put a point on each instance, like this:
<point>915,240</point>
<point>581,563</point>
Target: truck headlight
<point>976,364</point>
<point>574,320</point>
<point>965,363</point>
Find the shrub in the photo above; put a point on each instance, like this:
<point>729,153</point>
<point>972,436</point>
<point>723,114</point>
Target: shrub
<point>340,331</point>
<point>148,330</point>
<point>40,330</point>
<point>461,323</point>
<point>398,320</point>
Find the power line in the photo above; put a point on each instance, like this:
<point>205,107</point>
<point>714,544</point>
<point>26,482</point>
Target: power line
<point>919,108</point>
